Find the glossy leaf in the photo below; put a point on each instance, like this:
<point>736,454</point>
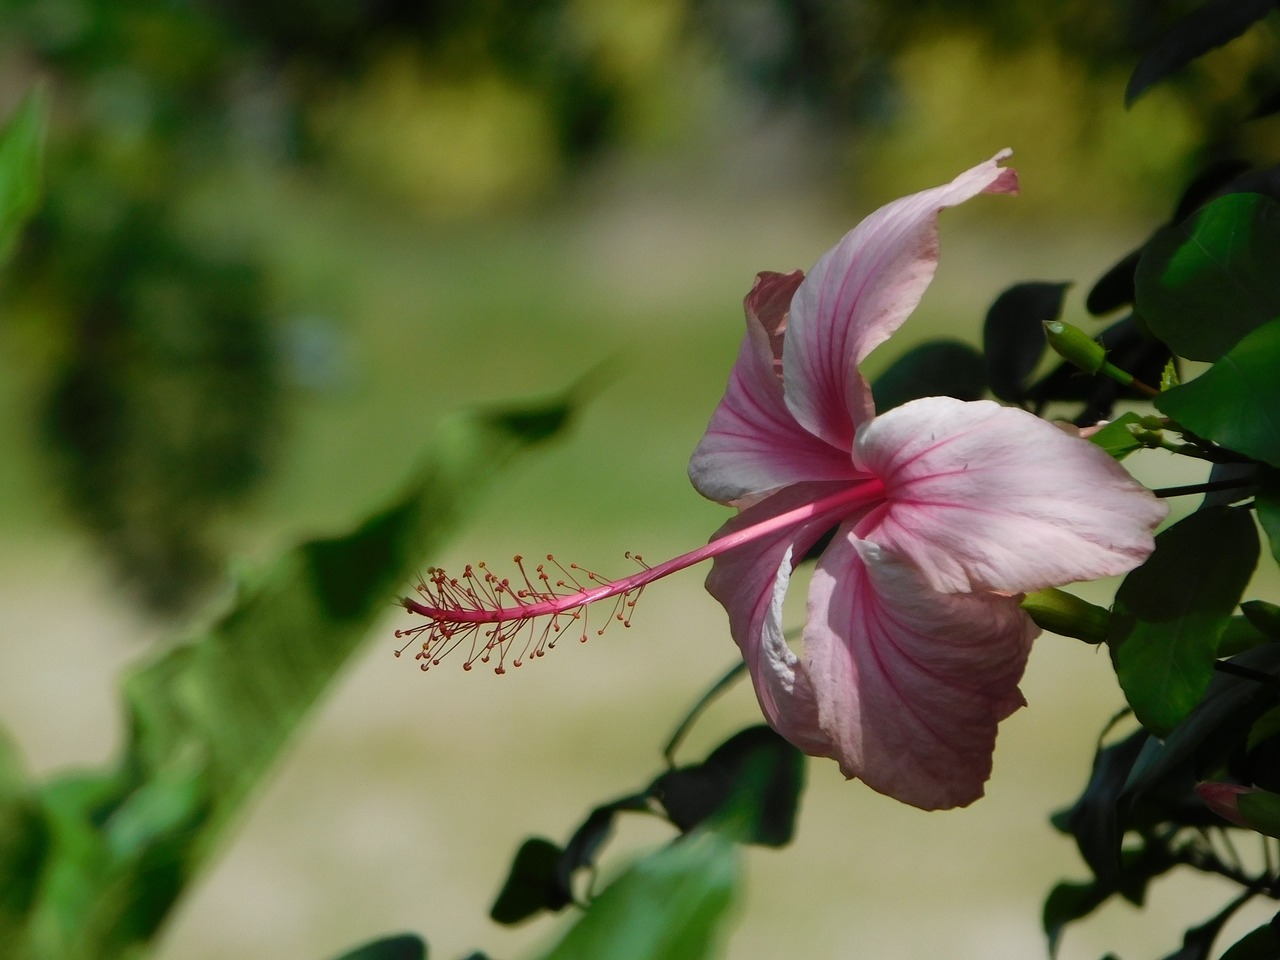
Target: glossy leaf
<point>1171,612</point>
<point>404,946</point>
<point>1013,335</point>
<point>1236,402</point>
<point>672,904</point>
<point>1205,28</point>
<point>938,368</point>
<point>1205,283</point>
<point>206,719</point>
<point>21,151</point>
<point>755,763</point>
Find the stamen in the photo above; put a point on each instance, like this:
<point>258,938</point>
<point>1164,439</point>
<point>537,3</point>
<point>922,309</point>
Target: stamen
<point>509,621</point>
<point>499,620</point>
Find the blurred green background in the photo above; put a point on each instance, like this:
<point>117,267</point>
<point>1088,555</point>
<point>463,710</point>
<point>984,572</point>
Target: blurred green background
<point>281,240</point>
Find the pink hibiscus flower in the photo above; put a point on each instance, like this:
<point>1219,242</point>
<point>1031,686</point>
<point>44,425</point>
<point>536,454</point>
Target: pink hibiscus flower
<point>945,512</point>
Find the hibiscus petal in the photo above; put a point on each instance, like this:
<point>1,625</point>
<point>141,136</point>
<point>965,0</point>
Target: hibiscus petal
<point>984,497</point>
<point>910,684</point>
<point>859,293</point>
<point>753,445</point>
<point>751,582</point>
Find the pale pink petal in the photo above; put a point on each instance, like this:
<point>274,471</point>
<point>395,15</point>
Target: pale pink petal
<point>750,582</point>
<point>984,497</point>
<point>753,445</point>
<point>910,684</point>
<point>859,293</point>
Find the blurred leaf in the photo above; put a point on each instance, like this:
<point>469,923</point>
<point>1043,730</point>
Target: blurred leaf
<point>1170,613</point>
<point>1205,283</point>
<point>1068,902</point>
<point>1116,438</point>
<point>207,719</point>
<point>404,946</point>
<point>755,767</point>
<point>24,846</point>
<point>532,884</point>
<point>21,154</point>
<point>1241,634</point>
<point>1203,29</point>
<point>1261,943</point>
<point>939,368</point>
<point>1236,402</point>
<point>1013,335</point>
<point>1094,818</point>
<point>1114,289</point>
<point>672,904</point>
<point>1197,943</point>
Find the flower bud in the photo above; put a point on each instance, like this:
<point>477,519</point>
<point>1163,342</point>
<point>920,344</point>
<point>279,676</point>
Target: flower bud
<point>1067,615</point>
<point>1075,346</point>
<point>1249,807</point>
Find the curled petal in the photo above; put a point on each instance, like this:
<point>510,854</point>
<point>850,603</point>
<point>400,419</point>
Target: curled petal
<point>751,582</point>
<point>984,497</point>
<point>859,293</point>
<point>753,445</point>
<point>910,684</point>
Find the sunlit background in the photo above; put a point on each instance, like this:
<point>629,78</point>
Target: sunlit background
<point>280,241</point>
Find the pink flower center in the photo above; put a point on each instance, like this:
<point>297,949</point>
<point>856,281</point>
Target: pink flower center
<point>495,615</point>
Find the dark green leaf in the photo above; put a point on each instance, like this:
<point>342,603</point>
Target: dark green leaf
<point>532,885</point>
<point>1264,616</point>
<point>1114,288</point>
<point>1261,810</point>
<point>1067,903</point>
<point>939,368</point>
<point>1208,26</point>
<point>1171,612</point>
<point>1116,438</point>
<point>1240,635</point>
<point>208,718</point>
<point>587,840</point>
<point>672,904</point>
<point>1013,335</point>
<point>1205,283</point>
<point>404,946</point>
<point>1214,728</point>
<point>1236,402</point>
<point>756,761</point>
<point>21,148</point>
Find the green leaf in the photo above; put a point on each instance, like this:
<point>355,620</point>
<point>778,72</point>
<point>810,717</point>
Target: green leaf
<point>1068,902</point>
<point>403,946</point>
<point>21,150</point>
<point>207,719</point>
<point>1197,942</point>
<point>1236,402</point>
<point>1116,438</point>
<point>1205,283</point>
<point>755,768</point>
<point>1171,612</point>
<point>672,904</point>
<point>939,368</point>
